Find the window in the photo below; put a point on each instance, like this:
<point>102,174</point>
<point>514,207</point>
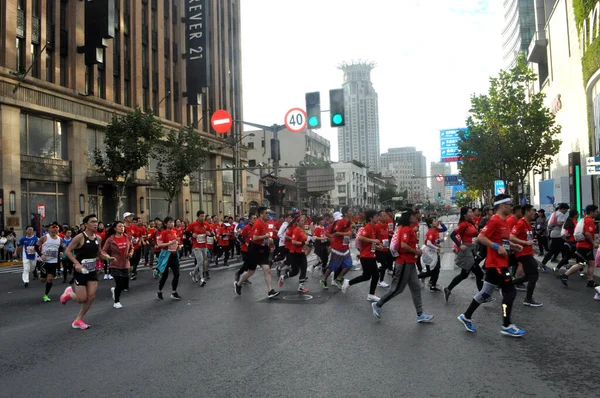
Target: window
<point>49,66</point>
<point>43,137</point>
<point>95,140</point>
<point>126,93</point>
<point>250,145</point>
<point>51,194</point>
<point>340,176</point>
<point>20,55</point>
<point>63,70</point>
<point>341,189</point>
<point>262,143</point>
<point>89,79</point>
<point>342,200</point>
<point>252,163</point>
<point>145,103</point>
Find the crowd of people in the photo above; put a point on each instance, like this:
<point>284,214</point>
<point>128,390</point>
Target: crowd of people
<point>495,245</point>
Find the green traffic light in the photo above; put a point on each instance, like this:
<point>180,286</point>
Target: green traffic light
<point>337,118</point>
<point>313,121</point>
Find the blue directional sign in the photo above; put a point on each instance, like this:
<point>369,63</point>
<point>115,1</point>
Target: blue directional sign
<point>449,139</point>
<point>452,180</point>
<point>499,187</point>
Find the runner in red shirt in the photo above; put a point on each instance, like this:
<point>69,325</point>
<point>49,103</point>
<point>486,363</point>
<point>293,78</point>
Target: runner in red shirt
<point>569,248</point>
<point>150,240</point>
<point>340,261</point>
<point>463,237</point>
<point>585,247</point>
<point>382,253</point>
<point>223,236</point>
<point>200,230</point>
<point>495,236</point>
<point>404,243</point>
<point>245,237</point>
<point>134,233</point>
<point>369,244</point>
<point>258,253</point>
<point>169,242</point>
<point>432,243</point>
<point>298,263</point>
<point>522,234</point>
<point>320,239</point>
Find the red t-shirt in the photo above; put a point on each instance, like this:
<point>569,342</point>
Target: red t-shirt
<point>523,232</point>
<point>180,232</point>
<point>341,243</point>
<point>382,233</point>
<point>432,235</point>
<point>223,235</point>
<point>168,235</point>
<point>588,226</point>
<point>246,237</point>
<point>201,231</point>
<point>122,243</point>
<point>368,232</point>
<point>497,231</point>
<point>467,231</point>
<point>570,231</point>
<point>476,221</point>
<point>511,221</point>
<point>408,236</point>
<point>299,236</point>
<point>151,234</point>
<point>271,228</point>
<point>259,229</point>
<point>288,237</point>
<point>134,234</point>
<point>319,232</point>
<point>390,228</point>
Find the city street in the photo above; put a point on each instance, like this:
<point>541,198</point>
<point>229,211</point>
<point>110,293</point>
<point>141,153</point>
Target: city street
<point>216,344</point>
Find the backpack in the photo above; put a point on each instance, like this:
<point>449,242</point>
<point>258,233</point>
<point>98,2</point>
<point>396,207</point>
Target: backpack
<point>578,234</point>
<point>395,243</point>
<point>357,242</point>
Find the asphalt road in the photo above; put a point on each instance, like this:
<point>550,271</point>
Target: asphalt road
<point>216,344</point>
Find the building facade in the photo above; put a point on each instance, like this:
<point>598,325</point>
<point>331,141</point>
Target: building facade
<point>351,180</point>
<point>519,28</point>
<point>439,189</point>
<point>409,168</point>
<point>359,138</point>
<point>54,108</point>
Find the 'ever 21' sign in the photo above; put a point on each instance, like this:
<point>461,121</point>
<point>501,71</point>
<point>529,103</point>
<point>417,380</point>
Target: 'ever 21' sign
<point>196,32</point>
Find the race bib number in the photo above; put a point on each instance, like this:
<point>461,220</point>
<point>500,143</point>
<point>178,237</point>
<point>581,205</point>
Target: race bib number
<point>386,243</point>
<point>134,241</point>
<point>529,236</point>
<point>88,265</point>
<point>51,254</point>
<point>225,237</point>
<point>346,240</point>
<point>201,238</point>
<point>391,227</point>
<point>210,240</point>
<point>506,244</point>
<point>30,249</point>
<point>270,226</point>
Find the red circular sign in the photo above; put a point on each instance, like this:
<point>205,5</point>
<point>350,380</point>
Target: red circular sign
<point>295,120</point>
<point>439,178</point>
<point>416,196</point>
<point>221,121</point>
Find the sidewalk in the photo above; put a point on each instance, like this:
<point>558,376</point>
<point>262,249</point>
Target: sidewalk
<point>10,263</point>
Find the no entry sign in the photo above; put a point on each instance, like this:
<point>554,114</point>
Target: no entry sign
<point>221,121</point>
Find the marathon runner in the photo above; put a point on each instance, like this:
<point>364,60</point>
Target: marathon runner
<point>49,248</point>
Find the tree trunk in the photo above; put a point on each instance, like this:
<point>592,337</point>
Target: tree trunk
<point>169,201</point>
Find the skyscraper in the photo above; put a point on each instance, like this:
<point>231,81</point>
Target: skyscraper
<point>359,138</point>
<point>519,28</point>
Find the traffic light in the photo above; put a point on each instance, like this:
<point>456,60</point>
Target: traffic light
<point>280,193</point>
<point>99,26</point>
<point>275,193</point>
<point>336,107</point>
<point>439,196</point>
<point>313,110</point>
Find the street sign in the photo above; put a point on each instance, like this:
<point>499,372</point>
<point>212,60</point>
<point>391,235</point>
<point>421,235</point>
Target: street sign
<point>592,161</point>
<point>41,210</point>
<point>295,120</point>
<point>499,187</point>
<point>439,178</point>
<point>593,170</point>
<point>452,180</point>
<point>416,196</point>
<point>221,121</point>
<point>449,140</point>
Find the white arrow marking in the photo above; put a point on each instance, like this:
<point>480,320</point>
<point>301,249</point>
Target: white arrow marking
<point>221,121</point>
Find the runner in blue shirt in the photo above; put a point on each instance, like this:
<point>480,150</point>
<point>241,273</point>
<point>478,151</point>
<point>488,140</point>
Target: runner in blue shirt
<point>29,256</point>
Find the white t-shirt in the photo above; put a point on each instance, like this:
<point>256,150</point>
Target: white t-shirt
<point>560,217</point>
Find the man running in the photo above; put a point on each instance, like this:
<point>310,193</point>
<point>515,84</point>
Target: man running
<point>49,248</point>
<point>585,248</point>
<point>135,234</point>
<point>199,230</point>
<point>28,243</point>
<point>245,239</point>
<point>495,237</point>
<point>258,253</point>
<point>340,261</point>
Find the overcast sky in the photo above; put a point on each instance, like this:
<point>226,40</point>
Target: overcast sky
<point>431,55</point>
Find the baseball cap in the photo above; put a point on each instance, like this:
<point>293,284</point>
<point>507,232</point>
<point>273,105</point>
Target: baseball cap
<point>54,224</point>
<point>337,216</point>
<point>127,214</point>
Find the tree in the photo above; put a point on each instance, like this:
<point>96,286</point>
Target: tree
<point>510,132</point>
<point>385,197</point>
<point>182,153</point>
<point>127,145</point>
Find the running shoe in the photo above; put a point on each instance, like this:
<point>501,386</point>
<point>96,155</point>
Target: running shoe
<point>302,289</point>
<point>338,284</point>
<point>597,297</point>
<point>564,279</point>
<point>281,280</point>
<point>447,293</point>
<point>376,310</point>
<point>372,298</point>
<point>202,282</point>
<point>193,276</point>
<point>512,331</point>
<point>591,284</point>
<point>112,292</point>
<point>531,303</point>
<point>66,296</point>
<point>544,268</point>
<point>80,325</point>
<point>117,306</point>
<point>323,284</point>
<point>46,298</point>
<point>105,277</point>
<point>424,318</point>
<point>383,284</point>
<point>434,289</point>
<point>345,286</point>
<point>490,299</point>
<point>133,277</point>
<point>237,289</point>
<point>467,323</point>
<point>175,296</point>
<point>272,294</point>
<point>110,277</point>
<point>159,295</point>
<point>26,284</point>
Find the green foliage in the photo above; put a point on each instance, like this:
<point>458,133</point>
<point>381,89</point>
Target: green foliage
<point>182,153</point>
<point>466,198</point>
<point>510,132</point>
<point>590,61</point>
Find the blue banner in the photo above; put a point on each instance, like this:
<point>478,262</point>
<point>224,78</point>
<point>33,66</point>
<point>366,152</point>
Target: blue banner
<point>499,187</point>
<point>449,139</point>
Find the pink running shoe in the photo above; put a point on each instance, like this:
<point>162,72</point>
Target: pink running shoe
<point>80,325</point>
<point>66,296</point>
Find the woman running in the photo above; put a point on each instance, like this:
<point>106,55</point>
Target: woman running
<point>321,241</point>
<point>86,248</point>
<point>463,236</point>
<point>432,244</point>
<point>297,253</point>
<point>569,249</point>
<point>369,243</point>
<point>120,249</point>
<point>169,243</point>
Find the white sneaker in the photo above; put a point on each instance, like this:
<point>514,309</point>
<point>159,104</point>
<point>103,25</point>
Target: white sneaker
<point>345,285</point>
<point>117,305</point>
<point>597,288</point>
<point>110,277</point>
<point>372,298</point>
<point>112,291</point>
<point>383,284</point>
<point>105,277</point>
<point>597,297</point>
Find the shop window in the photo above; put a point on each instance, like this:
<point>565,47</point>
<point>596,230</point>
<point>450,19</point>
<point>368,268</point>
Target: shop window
<point>46,138</point>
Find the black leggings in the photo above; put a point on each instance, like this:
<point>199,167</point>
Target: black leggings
<point>323,254</point>
<point>464,274</point>
<point>387,262</point>
<point>173,263</point>
<point>369,266</point>
<point>556,245</point>
<point>433,273</point>
<point>135,260</point>
<point>68,269</point>
<point>568,252</point>
<point>530,268</point>
<point>299,265</point>
<point>121,283</point>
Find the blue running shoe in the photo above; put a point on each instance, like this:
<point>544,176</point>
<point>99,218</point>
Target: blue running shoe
<point>467,323</point>
<point>512,331</point>
<point>376,310</point>
<point>424,318</point>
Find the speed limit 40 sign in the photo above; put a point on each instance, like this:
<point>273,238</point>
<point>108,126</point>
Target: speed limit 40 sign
<point>295,120</point>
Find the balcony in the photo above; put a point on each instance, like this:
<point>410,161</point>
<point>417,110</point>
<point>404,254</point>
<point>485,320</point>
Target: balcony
<point>46,169</point>
<point>537,48</point>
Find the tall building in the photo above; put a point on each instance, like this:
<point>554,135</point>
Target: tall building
<point>359,138</point>
<point>409,168</point>
<point>438,188</point>
<point>55,102</point>
<point>519,29</point>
